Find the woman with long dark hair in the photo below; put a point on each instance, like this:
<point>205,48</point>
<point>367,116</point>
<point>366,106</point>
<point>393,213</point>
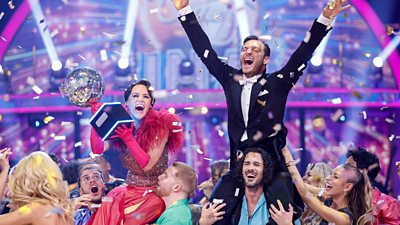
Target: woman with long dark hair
<point>144,147</point>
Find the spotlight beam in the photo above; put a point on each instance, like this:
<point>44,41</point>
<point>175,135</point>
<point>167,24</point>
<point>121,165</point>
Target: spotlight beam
<point>44,31</point>
<point>129,28</point>
<point>389,48</point>
<point>242,19</point>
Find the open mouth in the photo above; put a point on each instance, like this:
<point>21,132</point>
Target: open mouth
<point>328,186</point>
<point>248,62</point>
<point>94,189</point>
<point>139,108</point>
<point>251,176</point>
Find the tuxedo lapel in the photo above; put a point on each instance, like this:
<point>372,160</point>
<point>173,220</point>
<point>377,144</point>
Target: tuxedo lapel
<point>237,95</point>
<point>254,94</point>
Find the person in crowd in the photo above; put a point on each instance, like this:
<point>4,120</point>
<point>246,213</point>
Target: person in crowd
<point>349,191</point>
<point>254,171</point>
<point>38,193</point>
<point>315,175</point>
<point>92,189</point>
<point>144,148</point>
<point>175,186</point>
<point>218,169</point>
<point>71,174</point>
<point>386,208</point>
<point>256,100</point>
<point>110,181</point>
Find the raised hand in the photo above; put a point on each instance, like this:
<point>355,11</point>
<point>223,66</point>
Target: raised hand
<point>4,162</point>
<point>123,131</point>
<point>280,216</point>
<point>95,106</point>
<point>334,7</point>
<point>180,4</point>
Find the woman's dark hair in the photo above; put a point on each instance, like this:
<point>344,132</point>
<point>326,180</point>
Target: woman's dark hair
<point>268,165</point>
<point>70,171</point>
<point>365,160</point>
<point>359,197</point>
<point>218,169</point>
<point>145,83</point>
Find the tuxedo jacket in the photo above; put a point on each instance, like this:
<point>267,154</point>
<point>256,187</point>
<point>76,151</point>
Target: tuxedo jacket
<point>268,95</point>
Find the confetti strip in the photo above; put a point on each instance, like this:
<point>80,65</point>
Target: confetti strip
<point>206,52</point>
<point>107,199</point>
<point>1,15</point>
<point>335,117</point>
<point>188,108</point>
<point>78,144</point>
<point>153,10</point>
<point>37,89</point>
<point>103,55</point>
<point>59,138</point>
<point>48,119</point>
<point>301,67</point>
<point>336,101</point>
<point>190,96</point>
<point>208,159</point>
<point>176,131</point>
<point>11,5</point>
<point>66,123</point>
<point>266,16</point>
<point>175,92</point>
<point>54,33</point>
<point>176,124</point>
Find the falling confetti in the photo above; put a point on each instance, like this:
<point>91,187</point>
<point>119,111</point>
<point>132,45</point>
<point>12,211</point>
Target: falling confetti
<point>175,92</point>
<point>103,55</point>
<point>208,159</point>
<point>331,4</point>
<point>188,108</point>
<point>37,89</point>
<point>390,30</point>
<point>389,120</point>
<point>336,101</point>
<point>153,10</point>
<point>266,16</point>
<point>1,15</point>
<point>54,33</point>
<point>217,17</point>
<point>176,124</point>
<point>335,117</point>
<point>48,119</point>
<point>391,137</point>
<point>205,55</point>
<point>364,113</point>
<point>66,123</point>
<point>301,67</point>
<point>78,144</point>
<point>109,35</point>
<point>59,138</point>
<point>11,5</point>
<point>177,131</point>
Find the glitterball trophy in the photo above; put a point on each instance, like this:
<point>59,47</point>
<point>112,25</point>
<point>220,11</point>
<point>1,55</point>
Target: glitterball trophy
<point>84,87</point>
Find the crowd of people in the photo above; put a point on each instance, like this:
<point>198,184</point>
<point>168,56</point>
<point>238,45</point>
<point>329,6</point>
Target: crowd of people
<point>260,184</point>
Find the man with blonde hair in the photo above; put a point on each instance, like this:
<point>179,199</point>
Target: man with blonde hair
<point>175,186</point>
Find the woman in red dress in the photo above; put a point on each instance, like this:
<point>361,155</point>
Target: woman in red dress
<point>144,152</point>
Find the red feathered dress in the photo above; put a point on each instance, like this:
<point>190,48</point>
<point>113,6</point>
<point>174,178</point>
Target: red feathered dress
<point>136,203</point>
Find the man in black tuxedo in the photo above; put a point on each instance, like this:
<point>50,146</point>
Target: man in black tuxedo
<point>256,102</point>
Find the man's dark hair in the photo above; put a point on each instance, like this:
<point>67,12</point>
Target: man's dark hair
<point>55,158</point>
<point>365,160</point>
<point>86,166</point>
<point>70,171</point>
<point>268,166</point>
<point>267,50</point>
<point>145,83</point>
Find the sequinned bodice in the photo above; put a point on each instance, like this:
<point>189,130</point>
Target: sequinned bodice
<point>136,176</point>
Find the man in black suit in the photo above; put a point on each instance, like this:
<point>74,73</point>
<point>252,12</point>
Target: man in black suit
<point>256,102</point>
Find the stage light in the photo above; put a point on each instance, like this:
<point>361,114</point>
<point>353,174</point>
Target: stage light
<point>186,67</point>
<point>123,63</point>
<point>56,65</point>
<point>342,118</point>
<point>316,60</point>
<point>242,19</point>
<point>171,110</point>
<point>378,62</point>
<point>203,110</point>
<point>36,121</point>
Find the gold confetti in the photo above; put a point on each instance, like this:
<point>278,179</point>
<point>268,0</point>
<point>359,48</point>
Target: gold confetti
<point>345,15</point>
<point>331,4</point>
<point>390,30</point>
<point>48,119</point>
<point>367,54</point>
